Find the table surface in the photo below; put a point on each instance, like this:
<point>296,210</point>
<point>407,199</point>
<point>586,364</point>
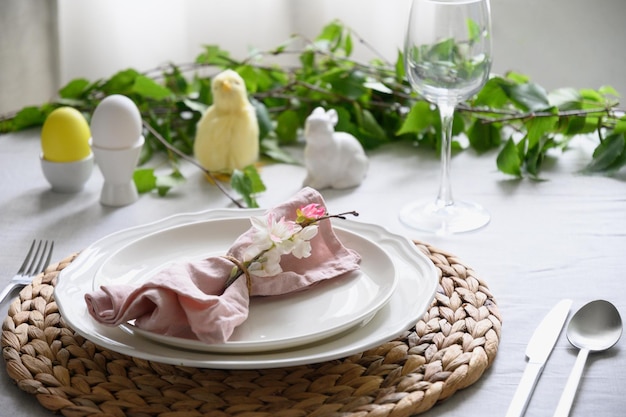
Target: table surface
<point>560,238</point>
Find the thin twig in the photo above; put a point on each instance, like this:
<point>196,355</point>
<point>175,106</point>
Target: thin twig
<point>242,267</point>
<point>192,160</point>
<point>511,115</point>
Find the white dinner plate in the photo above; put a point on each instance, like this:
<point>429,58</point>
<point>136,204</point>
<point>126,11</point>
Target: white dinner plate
<point>416,285</point>
<point>278,322</point>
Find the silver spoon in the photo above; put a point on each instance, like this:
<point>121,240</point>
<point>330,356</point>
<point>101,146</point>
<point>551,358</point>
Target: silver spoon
<point>595,327</point>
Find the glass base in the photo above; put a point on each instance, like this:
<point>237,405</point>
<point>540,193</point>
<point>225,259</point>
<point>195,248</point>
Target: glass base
<point>459,217</point>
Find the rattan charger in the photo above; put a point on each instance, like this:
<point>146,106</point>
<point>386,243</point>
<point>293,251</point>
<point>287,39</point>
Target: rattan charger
<point>449,349</point>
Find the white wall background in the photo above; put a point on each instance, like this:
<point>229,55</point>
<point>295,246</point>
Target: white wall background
<point>29,66</point>
<point>99,38</point>
<point>558,43</point>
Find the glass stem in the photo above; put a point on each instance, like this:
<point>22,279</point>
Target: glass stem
<point>446,112</point>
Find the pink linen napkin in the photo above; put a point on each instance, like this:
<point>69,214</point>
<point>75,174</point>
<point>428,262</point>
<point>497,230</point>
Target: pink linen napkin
<point>187,299</point>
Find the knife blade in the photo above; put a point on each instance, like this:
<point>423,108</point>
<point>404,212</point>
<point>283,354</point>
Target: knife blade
<point>538,350</point>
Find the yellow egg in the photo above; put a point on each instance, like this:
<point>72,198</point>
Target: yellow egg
<point>65,136</point>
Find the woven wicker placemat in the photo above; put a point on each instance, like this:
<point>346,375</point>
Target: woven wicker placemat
<point>449,349</point>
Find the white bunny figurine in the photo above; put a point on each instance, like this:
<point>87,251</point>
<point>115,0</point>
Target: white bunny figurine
<point>332,159</point>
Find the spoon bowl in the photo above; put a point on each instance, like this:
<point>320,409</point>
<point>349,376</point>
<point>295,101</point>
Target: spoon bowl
<point>595,327</point>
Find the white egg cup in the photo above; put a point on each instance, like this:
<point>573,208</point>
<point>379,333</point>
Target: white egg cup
<point>67,177</point>
<point>117,167</point>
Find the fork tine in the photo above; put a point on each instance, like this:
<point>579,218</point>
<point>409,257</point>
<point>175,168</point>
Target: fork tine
<point>46,261</point>
<point>32,269</point>
<point>27,258</point>
<point>40,259</point>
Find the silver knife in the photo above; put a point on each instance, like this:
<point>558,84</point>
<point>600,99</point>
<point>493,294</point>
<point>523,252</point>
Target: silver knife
<point>537,352</point>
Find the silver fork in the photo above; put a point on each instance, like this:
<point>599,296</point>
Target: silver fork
<point>33,264</point>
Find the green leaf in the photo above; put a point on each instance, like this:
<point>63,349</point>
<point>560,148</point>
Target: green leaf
<point>347,83</point>
<point>147,151</point>
<point>419,118</point>
<point>144,179</point>
<point>307,60</point>
<point>330,37</point>
<point>458,124</point>
<point>267,78</point>
<point>517,78</point>
<point>508,160</point>
<point>607,153</point>
<point>618,164</point>
<point>72,102</point>
<point>176,81</point>
<point>378,87</point>
<point>287,126</point>
<point>493,93</point>
<point>263,118</point>
<point>607,90</point>
<point>538,127</point>
<point>574,125</point>
<point>247,183</point>
<point>276,76</point>
<point>399,67</point>
<point>592,96</point>
<point>529,96</point>
<point>536,154</point>
<point>121,83</point>
<point>272,149</point>
<point>164,183</point>
<point>347,44</point>
<point>344,122</point>
<point>483,136</point>
<point>473,31</point>
<point>214,55</point>
<point>442,51</point>
<point>283,46</point>
<point>565,99</point>
<point>620,125</point>
<point>28,117</point>
<point>370,126</point>
<point>201,90</point>
<point>195,106</point>
<point>250,76</point>
<point>255,179</point>
<point>592,124</point>
<point>148,88</point>
<point>74,89</point>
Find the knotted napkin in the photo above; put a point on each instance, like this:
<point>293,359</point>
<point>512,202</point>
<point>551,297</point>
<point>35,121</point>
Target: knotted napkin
<point>187,299</point>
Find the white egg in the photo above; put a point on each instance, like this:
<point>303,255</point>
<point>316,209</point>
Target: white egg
<point>116,123</point>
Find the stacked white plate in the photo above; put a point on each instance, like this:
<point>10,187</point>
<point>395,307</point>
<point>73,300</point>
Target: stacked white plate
<point>334,319</point>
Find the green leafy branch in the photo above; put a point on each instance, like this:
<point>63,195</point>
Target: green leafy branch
<point>373,100</point>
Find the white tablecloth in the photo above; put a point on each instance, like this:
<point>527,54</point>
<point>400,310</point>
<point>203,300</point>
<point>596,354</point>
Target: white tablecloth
<point>560,238</point>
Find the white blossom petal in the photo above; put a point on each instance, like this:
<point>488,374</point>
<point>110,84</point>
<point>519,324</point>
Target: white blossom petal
<point>302,249</point>
<point>268,265</point>
<point>308,232</point>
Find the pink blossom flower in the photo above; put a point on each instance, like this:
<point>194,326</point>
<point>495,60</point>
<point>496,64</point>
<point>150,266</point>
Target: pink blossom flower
<point>310,212</point>
<point>272,238</point>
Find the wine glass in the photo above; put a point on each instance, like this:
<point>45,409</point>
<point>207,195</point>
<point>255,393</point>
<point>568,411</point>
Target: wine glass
<point>447,56</point>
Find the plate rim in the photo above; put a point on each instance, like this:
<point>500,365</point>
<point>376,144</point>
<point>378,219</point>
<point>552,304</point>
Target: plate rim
<point>256,346</point>
<point>358,340</point>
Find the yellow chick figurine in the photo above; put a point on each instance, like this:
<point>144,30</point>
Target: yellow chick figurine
<point>227,136</point>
